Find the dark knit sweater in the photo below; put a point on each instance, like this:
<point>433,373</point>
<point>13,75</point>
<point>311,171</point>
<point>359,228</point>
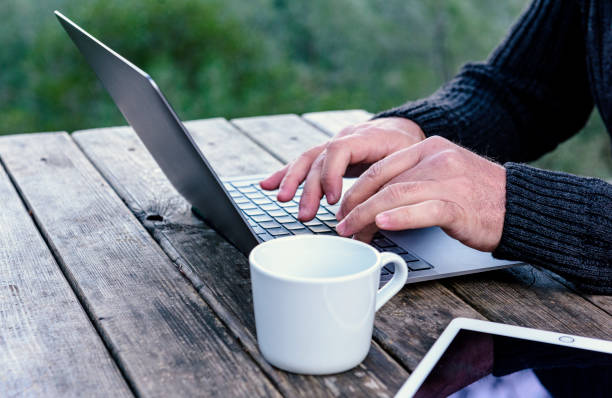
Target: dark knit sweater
<point>537,89</point>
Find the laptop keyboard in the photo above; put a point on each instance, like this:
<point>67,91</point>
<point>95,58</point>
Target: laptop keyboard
<point>271,219</point>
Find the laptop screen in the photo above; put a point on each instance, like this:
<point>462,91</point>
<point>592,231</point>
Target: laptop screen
<point>477,364</point>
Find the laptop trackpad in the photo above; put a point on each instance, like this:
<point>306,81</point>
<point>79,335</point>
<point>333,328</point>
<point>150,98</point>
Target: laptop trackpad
<point>437,248</point>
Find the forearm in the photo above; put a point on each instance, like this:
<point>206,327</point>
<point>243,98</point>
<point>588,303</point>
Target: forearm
<point>561,222</point>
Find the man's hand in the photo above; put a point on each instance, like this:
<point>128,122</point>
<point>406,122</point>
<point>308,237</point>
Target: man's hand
<point>348,153</point>
<point>434,182</point>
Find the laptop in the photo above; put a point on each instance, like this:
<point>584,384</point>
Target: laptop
<point>238,208</point>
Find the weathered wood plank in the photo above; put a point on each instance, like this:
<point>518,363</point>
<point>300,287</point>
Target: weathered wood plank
<point>48,346</point>
<point>215,267</point>
<point>602,301</point>
<point>298,135</point>
<point>332,122</point>
<point>526,296</point>
<point>165,338</point>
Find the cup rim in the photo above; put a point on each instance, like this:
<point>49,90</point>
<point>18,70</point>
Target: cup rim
<point>329,279</point>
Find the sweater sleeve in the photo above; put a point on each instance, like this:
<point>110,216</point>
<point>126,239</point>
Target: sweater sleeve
<point>530,95</point>
<point>560,221</point>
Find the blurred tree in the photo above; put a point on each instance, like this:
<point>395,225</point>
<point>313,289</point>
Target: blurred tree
<point>235,58</point>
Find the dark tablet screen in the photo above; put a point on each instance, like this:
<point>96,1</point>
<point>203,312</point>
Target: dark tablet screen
<point>479,364</point>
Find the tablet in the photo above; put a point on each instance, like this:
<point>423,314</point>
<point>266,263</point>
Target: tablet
<point>474,358</point>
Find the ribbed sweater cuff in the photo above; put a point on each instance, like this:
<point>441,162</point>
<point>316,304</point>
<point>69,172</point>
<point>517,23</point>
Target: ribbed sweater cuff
<point>433,119</point>
<point>561,222</point>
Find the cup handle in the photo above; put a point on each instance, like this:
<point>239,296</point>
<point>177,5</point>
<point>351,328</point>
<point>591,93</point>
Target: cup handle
<point>396,283</point>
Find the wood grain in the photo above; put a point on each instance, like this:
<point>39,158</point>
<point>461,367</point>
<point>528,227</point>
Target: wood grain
<point>526,296</point>
<point>298,135</point>
<point>48,346</point>
<point>164,337</point>
<point>600,300</point>
<point>332,122</point>
<point>216,268</point>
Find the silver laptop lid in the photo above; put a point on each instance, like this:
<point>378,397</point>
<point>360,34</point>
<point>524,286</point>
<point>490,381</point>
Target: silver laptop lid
<point>147,111</point>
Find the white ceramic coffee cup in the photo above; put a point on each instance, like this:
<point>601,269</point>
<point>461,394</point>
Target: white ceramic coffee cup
<point>315,299</point>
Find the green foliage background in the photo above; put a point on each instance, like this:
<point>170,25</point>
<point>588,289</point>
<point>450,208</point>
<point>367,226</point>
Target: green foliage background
<point>237,58</point>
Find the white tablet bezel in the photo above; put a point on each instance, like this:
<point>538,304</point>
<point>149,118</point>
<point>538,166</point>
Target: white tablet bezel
<point>434,354</point>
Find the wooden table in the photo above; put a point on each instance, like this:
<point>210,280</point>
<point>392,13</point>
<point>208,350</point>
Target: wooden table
<point>110,286</point>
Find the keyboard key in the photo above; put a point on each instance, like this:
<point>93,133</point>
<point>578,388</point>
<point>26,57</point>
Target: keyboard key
<point>332,208</point>
<point>269,224</point>
<point>419,266</point>
<point>312,222</point>
<point>303,231</point>
<point>241,199</point>
<point>383,242</point>
<point>228,186</point>
<point>240,184</point>
<point>293,225</point>
<point>317,229</point>
<point>262,218</point>
<point>265,237</point>
<point>246,206</point>
<point>277,213</point>
<point>270,207</point>
<point>254,212</point>
<point>270,193</point>
<point>235,194</point>
<point>408,257</point>
<point>284,219</point>
<point>395,249</point>
<point>247,190</point>
<point>255,195</point>
<point>322,211</point>
<point>258,230</point>
<point>262,201</point>
<point>326,217</point>
<point>331,224</point>
<point>251,222</point>
<point>390,268</point>
<point>285,204</point>
<point>278,232</point>
<point>292,210</point>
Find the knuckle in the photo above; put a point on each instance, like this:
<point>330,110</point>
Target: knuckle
<point>394,192</point>
<point>374,171</point>
<point>334,146</point>
<point>356,214</point>
<point>449,159</point>
<point>436,141</point>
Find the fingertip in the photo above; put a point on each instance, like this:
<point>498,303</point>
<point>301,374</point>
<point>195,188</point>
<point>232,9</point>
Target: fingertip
<point>383,220</point>
<point>284,195</point>
<point>267,184</point>
<point>332,198</point>
<point>305,214</point>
